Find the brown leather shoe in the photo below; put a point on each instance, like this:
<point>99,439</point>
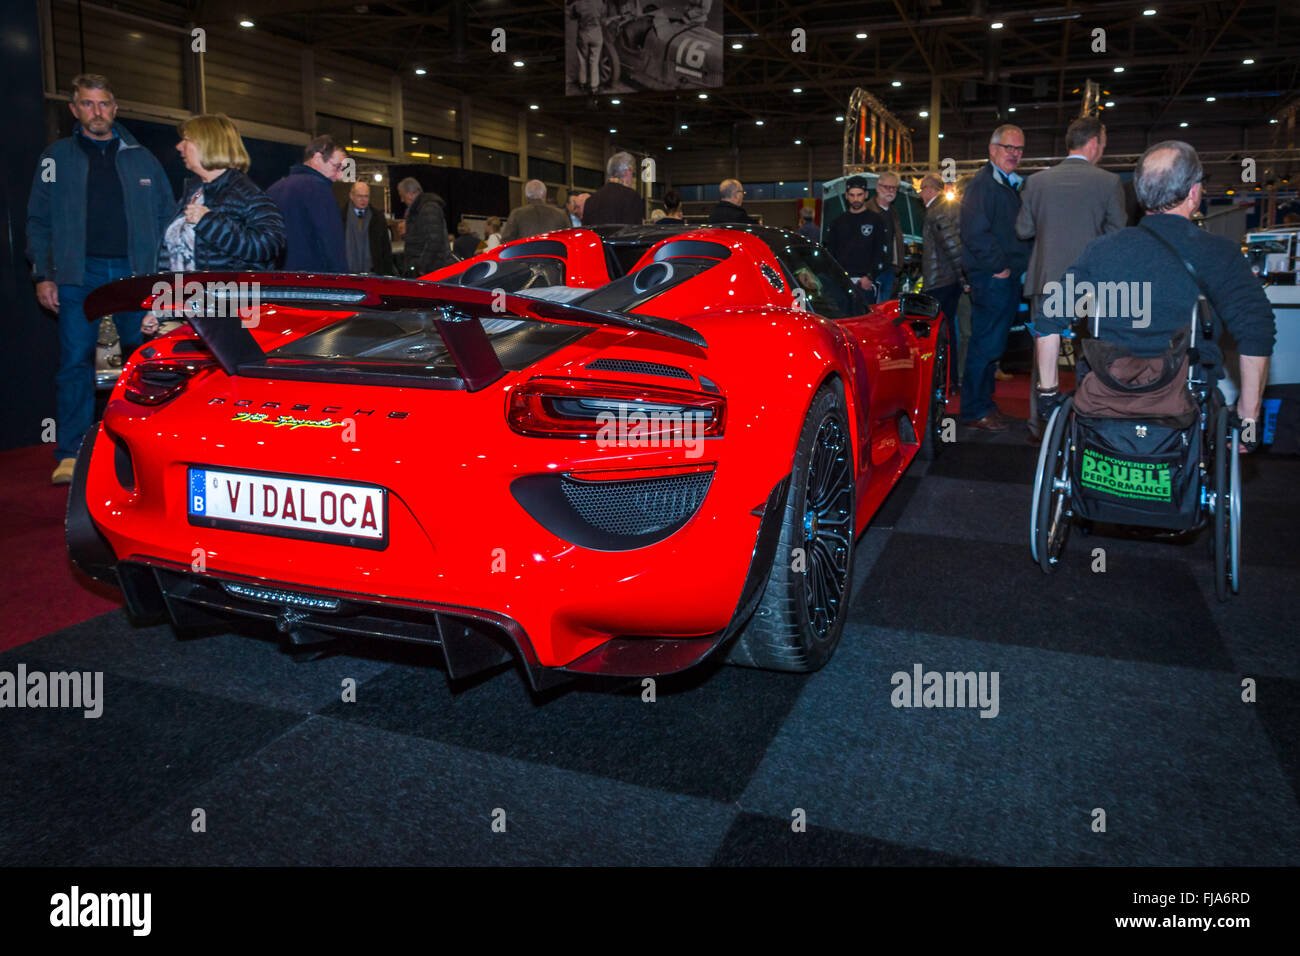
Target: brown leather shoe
<point>989,423</point>
<point>1002,376</point>
<point>63,474</point>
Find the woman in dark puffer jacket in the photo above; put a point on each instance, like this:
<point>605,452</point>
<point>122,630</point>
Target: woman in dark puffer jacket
<point>235,226</point>
<point>223,222</point>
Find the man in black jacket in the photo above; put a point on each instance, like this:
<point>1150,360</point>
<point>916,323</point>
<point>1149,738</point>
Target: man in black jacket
<point>365,234</point>
<point>616,201</point>
<point>994,257</point>
<point>729,208</point>
<point>427,245</point>
<point>942,273</point>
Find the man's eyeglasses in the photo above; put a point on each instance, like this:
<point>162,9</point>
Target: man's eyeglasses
<point>1011,149</point>
<point>888,189</point>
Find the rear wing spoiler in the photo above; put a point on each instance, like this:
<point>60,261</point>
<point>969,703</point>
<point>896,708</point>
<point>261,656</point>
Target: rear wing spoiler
<point>217,303</point>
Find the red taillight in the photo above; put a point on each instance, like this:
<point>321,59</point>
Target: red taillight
<point>631,414</point>
<point>153,383</point>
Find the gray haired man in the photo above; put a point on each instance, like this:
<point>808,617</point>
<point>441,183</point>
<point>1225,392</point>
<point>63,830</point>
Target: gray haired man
<point>616,201</point>
<point>1167,180</point>
<point>535,216</point>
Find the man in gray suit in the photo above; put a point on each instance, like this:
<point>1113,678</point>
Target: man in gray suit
<point>1063,209</point>
<point>536,215</point>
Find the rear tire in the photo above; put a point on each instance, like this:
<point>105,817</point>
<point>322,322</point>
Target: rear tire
<point>932,442</point>
<point>1227,507</point>
<point>1049,511</point>
<point>800,618</point>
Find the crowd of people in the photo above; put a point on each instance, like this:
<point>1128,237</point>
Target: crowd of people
<point>110,213</point>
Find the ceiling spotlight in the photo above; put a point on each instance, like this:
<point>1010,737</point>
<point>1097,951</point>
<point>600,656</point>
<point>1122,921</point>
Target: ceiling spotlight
<point>247,24</point>
<point>839,119</point>
<point>1248,62</point>
<point>924,113</point>
<point>1011,109</point>
<point>896,83</point>
<point>1119,69</point>
<point>615,101</point>
<point>1149,12</point>
<point>797,89</point>
<point>758,122</point>
<point>420,71</point>
<point>703,96</point>
<point>1272,121</point>
<point>533,106</point>
<point>519,62</point>
<point>1109,104</point>
<point>415,139</point>
<point>1210,99</point>
<point>684,126</point>
<point>941,135</point>
<point>670,147</point>
<point>355,142</point>
<point>798,142</point>
<point>613,129</point>
<point>738,46</point>
<point>379,177</point>
<point>1182,125</point>
<point>995,25</point>
<point>861,36</point>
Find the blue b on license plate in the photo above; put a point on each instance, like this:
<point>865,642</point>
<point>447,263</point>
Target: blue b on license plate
<point>289,506</point>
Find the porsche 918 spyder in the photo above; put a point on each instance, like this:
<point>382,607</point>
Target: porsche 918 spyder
<point>598,452</point>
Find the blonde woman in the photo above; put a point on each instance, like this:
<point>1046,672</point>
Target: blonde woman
<point>223,222</point>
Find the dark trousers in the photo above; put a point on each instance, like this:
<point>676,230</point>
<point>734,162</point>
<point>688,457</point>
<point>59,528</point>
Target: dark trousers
<point>75,382</point>
<point>993,304</point>
<point>948,296</point>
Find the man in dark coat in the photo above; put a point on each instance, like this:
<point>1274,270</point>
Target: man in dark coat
<point>427,245</point>
<point>941,268</point>
<point>365,234</point>
<point>994,257</point>
<point>729,208</point>
<point>616,201</point>
<point>313,230</point>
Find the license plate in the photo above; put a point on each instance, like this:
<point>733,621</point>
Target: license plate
<point>292,507</point>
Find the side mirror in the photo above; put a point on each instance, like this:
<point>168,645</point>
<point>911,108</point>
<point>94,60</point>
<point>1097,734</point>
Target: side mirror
<point>919,309</point>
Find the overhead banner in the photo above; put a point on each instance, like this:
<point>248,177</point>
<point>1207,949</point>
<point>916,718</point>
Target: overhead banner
<point>629,45</point>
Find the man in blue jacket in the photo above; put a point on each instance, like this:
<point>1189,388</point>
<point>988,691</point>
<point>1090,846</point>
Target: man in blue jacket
<point>313,227</point>
<point>97,210</point>
<point>994,257</point>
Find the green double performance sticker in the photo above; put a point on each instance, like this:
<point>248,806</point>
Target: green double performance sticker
<point>1150,481</point>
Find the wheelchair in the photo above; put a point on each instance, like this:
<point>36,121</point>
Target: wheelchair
<point>1144,472</point>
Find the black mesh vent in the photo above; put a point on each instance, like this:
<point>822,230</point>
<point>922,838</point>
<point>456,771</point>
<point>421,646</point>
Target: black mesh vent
<point>637,507</point>
<point>634,367</point>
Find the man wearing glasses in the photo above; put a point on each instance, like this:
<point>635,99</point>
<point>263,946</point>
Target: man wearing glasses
<point>314,230</point>
<point>731,195</point>
<point>994,257</point>
<point>882,204</point>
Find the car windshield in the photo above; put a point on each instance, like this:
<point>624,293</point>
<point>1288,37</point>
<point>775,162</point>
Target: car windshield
<point>827,289</point>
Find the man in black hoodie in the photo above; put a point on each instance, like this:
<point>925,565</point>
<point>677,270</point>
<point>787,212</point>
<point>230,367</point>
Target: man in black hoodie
<point>994,257</point>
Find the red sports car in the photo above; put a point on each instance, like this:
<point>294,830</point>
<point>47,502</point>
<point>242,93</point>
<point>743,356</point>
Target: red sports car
<point>599,452</point>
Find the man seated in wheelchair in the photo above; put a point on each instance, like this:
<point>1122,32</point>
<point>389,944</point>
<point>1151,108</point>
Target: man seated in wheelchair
<point>1153,302</point>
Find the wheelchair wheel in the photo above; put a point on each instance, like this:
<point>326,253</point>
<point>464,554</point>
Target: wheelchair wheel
<point>1050,513</point>
<point>1227,507</point>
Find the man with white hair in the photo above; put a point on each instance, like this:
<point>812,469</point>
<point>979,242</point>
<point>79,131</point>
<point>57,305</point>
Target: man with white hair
<point>882,204</point>
<point>616,201</point>
<point>994,257</point>
<point>535,216</point>
<point>1167,255</point>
